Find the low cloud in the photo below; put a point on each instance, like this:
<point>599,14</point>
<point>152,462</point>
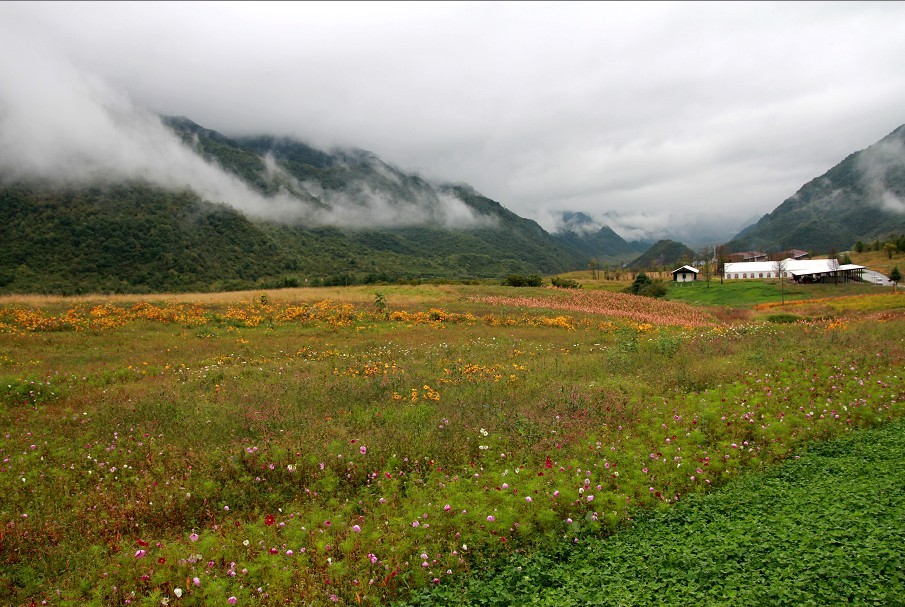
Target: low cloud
<point>61,124</point>
<point>363,206</point>
<point>879,165</point>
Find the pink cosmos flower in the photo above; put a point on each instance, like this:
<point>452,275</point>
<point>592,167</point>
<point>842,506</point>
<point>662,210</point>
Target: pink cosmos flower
<point>232,600</point>
<point>140,554</point>
<point>491,518</point>
<point>363,450</point>
<point>356,528</point>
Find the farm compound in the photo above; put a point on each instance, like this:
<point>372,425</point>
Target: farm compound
<point>799,270</point>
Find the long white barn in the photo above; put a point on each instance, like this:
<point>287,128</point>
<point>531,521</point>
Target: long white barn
<point>795,269</point>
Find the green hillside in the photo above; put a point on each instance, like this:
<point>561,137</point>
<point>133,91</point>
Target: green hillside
<point>127,238</point>
<point>139,238</point>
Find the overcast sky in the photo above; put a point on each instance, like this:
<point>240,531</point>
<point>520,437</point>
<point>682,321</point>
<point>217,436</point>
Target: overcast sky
<point>704,114</point>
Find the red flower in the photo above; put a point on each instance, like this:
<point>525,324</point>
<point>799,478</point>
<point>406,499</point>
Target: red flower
<point>549,463</point>
<point>269,520</point>
<point>141,542</point>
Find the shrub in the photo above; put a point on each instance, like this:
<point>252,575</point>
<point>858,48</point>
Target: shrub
<point>657,288</point>
<point>564,283</point>
<point>644,285</point>
<point>518,280</point>
<point>641,281</point>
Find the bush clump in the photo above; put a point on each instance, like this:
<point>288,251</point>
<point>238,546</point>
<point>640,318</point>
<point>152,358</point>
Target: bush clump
<point>783,318</point>
<point>644,285</point>
<point>564,283</point>
<point>518,280</point>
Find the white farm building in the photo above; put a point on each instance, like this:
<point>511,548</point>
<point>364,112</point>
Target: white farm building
<point>685,274</point>
<point>799,270</point>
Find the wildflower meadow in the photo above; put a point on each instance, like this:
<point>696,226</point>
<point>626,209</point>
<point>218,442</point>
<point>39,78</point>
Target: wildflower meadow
<point>289,448</point>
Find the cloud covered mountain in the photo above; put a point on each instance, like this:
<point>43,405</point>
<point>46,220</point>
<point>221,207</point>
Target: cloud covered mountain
<point>861,198</point>
<point>202,211</point>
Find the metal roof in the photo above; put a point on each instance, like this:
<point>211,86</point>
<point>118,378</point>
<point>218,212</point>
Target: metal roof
<point>792,266</point>
<point>689,268</point>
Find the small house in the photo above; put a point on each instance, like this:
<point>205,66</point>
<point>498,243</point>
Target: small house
<point>685,274</point>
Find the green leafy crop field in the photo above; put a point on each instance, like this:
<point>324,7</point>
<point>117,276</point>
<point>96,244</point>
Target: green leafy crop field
<point>827,527</point>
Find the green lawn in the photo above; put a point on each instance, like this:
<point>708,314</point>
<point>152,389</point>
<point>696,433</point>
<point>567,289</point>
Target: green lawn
<point>746,293</point>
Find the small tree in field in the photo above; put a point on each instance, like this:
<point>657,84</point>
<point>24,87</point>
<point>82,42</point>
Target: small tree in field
<point>721,254</point>
<point>780,266</point>
<point>895,276</point>
<point>707,256</point>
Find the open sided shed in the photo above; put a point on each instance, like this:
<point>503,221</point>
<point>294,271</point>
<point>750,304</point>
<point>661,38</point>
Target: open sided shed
<point>840,273</point>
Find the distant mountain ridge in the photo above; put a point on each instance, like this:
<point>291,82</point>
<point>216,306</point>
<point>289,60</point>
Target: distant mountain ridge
<point>587,238</point>
<point>861,198</point>
<point>663,254</point>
